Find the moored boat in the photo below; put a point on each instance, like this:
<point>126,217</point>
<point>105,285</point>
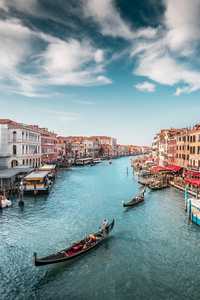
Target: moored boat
<point>147,183</point>
<point>4,202</point>
<point>158,186</point>
<point>77,249</point>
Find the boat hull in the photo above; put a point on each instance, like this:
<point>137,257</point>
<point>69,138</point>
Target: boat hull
<point>46,261</point>
<point>131,203</point>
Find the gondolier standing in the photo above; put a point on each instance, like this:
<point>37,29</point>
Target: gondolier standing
<point>105,224</point>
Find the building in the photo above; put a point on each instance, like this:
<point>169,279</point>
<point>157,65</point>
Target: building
<point>194,144</point>
<point>20,144</point>
<point>182,148</point>
<point>48,144</point>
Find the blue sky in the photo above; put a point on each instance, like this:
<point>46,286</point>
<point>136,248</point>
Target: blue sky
<point>101,67</point>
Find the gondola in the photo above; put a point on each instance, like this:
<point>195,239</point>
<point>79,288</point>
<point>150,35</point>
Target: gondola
<point>77,249</point>
<point>134,201</point>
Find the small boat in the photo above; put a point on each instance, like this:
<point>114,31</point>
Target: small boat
<point>4,202</point>
<point>158,186</point>
<point>77,249</point>
<point>110,162</point>
<point>134,201</point>
<point>147,183</point>
<point>96,160</point>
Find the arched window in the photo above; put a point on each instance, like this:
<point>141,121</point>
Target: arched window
<point>22,135</point>
<point>14,163</point>
<point>14,136</point>
<point>14,150</point>
<point>27,161</point>
<point>30,161</point>
<point>23,162</point>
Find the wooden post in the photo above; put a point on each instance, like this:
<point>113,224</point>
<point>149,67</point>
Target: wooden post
<point>35,190</point>
<point>21,194</point>
<point>0,201</point>
<point>190,209</point>
<point>197,193</point>
<point>186,196</point>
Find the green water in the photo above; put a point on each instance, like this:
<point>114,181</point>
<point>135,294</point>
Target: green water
<point>152,253</point>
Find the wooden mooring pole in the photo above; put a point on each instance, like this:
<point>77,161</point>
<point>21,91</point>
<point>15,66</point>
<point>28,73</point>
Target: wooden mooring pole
<point>21,194</point>
<point>186,196</point>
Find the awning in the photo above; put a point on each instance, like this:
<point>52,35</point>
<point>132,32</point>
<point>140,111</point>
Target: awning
<point>143,173</point>
<point>173,168</point>
<point>193,181</point>
<point>159,169</point>
<point>193,173</point>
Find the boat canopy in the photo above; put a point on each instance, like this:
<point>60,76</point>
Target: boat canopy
<point>143,173</point>
<point>37,175</point>
<point>47,168</point>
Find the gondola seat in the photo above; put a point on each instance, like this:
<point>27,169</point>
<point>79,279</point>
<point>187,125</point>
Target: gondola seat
<point>76,248</point>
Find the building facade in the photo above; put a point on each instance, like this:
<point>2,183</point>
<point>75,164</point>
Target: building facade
<point>20,144</point>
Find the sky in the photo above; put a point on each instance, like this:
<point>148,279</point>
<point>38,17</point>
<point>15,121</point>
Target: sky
<point>121,68</point>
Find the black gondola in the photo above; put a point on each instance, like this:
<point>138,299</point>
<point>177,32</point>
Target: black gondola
<point>135,200</point>
<point>77,249</point>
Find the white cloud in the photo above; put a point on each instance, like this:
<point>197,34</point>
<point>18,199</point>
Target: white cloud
<point>62,62</point>
<point>84,102</point>
<point>146,87</point>
<point>68,119</point>
<point>105,13</point>
<point>183,24</point>
<point>164,60</point>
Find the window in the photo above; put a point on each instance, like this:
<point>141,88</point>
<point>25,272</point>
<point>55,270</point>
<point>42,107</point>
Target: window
<point>180,148</point>
<point>180,139</point>
<point>194,139</point>
<point>198,152</point>
<point>193,150</point>
<point>190,150</point>
<point>188,138</point>
<point>14,136</point>
<point>188,157</point>
<point>188,147</point>
<point>184,138</point>
<point>14,150</point>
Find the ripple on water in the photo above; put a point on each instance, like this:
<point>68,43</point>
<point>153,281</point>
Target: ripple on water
<point>152,252</point>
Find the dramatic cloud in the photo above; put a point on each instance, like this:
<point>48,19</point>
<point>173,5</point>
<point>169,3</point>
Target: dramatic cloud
<point>58,63</point>
<point>164,59</point>
<point>146,87</point>
<point>34,57</point>
<point>106,15</point>
<point>183,24</point>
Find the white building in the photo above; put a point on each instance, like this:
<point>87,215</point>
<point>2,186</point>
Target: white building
<point>88,147</point>
<point>19,145</point>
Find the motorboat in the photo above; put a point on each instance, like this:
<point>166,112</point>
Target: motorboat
<point>4,202</point>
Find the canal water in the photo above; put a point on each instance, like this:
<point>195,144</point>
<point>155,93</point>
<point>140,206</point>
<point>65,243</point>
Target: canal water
<point>152,253</point>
